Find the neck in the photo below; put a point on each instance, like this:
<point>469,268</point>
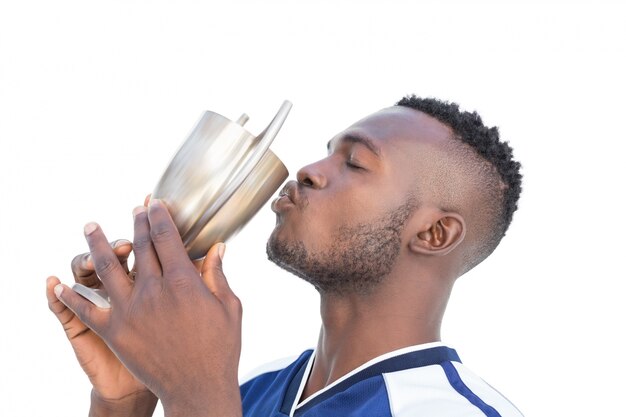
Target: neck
<point>358,328</point>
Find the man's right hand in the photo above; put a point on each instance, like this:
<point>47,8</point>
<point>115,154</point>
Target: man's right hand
<point>116,392</point>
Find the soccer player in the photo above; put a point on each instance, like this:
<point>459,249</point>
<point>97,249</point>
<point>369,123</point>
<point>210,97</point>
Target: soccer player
<point>408,199</point>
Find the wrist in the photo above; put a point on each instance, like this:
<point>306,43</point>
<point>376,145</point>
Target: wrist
<point>219,403</point>
<point>137,404</point>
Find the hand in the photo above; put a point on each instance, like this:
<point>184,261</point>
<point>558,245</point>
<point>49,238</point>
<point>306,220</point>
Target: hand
<point>177,331</point>
<point>114,387</point>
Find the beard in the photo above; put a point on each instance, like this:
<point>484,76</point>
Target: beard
<point>357,261</point>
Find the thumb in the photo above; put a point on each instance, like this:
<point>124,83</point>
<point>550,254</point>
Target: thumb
<point>89,314</point>
<point>212,273</point>
<point>71,324</point>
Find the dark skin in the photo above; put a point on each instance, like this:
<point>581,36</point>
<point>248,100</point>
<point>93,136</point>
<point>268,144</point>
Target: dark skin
<point>114,387</point>
<point>357,328</point>
<point>116,392</point>
<point>191,366</point>
<point>359,181</point>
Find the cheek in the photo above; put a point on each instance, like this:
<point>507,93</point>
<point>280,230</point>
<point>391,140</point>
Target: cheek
<point>340,205</point>
<point>323,219</point>
<point>319,227</point>
<point>309,226</point>
<point>316,225</point>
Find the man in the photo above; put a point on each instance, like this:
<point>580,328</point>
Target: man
<point>408,200</point>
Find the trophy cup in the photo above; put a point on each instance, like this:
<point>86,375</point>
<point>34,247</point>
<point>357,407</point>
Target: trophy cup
<point>217,181</point>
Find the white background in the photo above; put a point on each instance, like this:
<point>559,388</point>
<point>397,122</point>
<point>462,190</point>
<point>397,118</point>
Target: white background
<point>95,97</point>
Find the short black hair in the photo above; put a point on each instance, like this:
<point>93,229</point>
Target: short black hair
<point>485,141</point>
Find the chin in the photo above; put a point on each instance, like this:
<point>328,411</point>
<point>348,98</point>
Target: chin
<point>275,235</point>
<point>283,251</point>
<point>274,252</point>
<point>282,234</point>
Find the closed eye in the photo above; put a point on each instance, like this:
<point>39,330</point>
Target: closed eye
<point>352,165</point>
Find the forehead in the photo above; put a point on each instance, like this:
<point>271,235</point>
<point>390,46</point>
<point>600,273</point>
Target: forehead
<point>397,127</point>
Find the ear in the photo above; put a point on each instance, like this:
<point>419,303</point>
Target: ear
<point>440,235</point>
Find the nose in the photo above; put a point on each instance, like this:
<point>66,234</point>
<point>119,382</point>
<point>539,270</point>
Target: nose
<point>312,176</point>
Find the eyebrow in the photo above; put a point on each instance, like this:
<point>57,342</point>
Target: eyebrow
<point>358,138</point>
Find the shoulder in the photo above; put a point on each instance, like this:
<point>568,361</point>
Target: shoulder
<point>263,391</point>
<point>274,366</point>
<point>445,389</point>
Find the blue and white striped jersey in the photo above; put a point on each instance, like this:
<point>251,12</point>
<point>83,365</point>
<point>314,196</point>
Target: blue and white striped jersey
<point>425,380</point>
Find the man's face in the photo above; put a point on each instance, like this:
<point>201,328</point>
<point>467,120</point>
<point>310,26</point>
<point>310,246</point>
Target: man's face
<point>341,225</point>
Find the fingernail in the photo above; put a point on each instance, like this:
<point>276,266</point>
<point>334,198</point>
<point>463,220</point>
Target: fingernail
<point>90,227</point>
<point>138,209</point>
<point>154,202</point>
<point>220,250</point>
<point>120,242</point>
<point>58,290</point>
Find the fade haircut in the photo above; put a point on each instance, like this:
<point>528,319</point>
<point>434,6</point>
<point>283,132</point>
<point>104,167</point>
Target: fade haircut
<point>500,194</point>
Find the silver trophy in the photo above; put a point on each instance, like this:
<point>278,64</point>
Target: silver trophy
<point>217,181</point>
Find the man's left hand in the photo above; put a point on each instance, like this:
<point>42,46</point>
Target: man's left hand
<point>177,331</point>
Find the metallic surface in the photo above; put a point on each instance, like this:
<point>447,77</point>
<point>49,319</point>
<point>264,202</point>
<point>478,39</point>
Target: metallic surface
<point>220,178</point>
<point>255,191</point>
<point>99,297</point>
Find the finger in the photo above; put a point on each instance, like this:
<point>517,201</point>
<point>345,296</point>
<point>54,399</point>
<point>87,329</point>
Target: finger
<point>146,260</point>
<point>84,271</point>
<point>106,264</point>
<point>92,316</point>
<point>166,240</point>
<point>197,263</point>
<point>213,275</point>
<point>59,309</point>
<point>71,324</point>
<point>146,200</point>
<point>122,249</point>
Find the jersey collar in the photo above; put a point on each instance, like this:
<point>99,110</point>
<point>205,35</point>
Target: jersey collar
<point>397,360</point>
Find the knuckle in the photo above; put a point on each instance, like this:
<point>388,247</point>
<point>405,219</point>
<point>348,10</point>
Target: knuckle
<point>141,242</point>
<point>105,265</point>
<point>180,291</point>
<point>77,263</point>
<point>84,314</point>
<point>160,233</point>
<point>235,305</point>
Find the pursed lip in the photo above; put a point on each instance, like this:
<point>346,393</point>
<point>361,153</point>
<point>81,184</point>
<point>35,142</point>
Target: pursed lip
<point>290,190</point>
<point>289,196</point>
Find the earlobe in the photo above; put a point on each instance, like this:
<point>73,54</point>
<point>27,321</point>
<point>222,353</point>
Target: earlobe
<point>439,237</point>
